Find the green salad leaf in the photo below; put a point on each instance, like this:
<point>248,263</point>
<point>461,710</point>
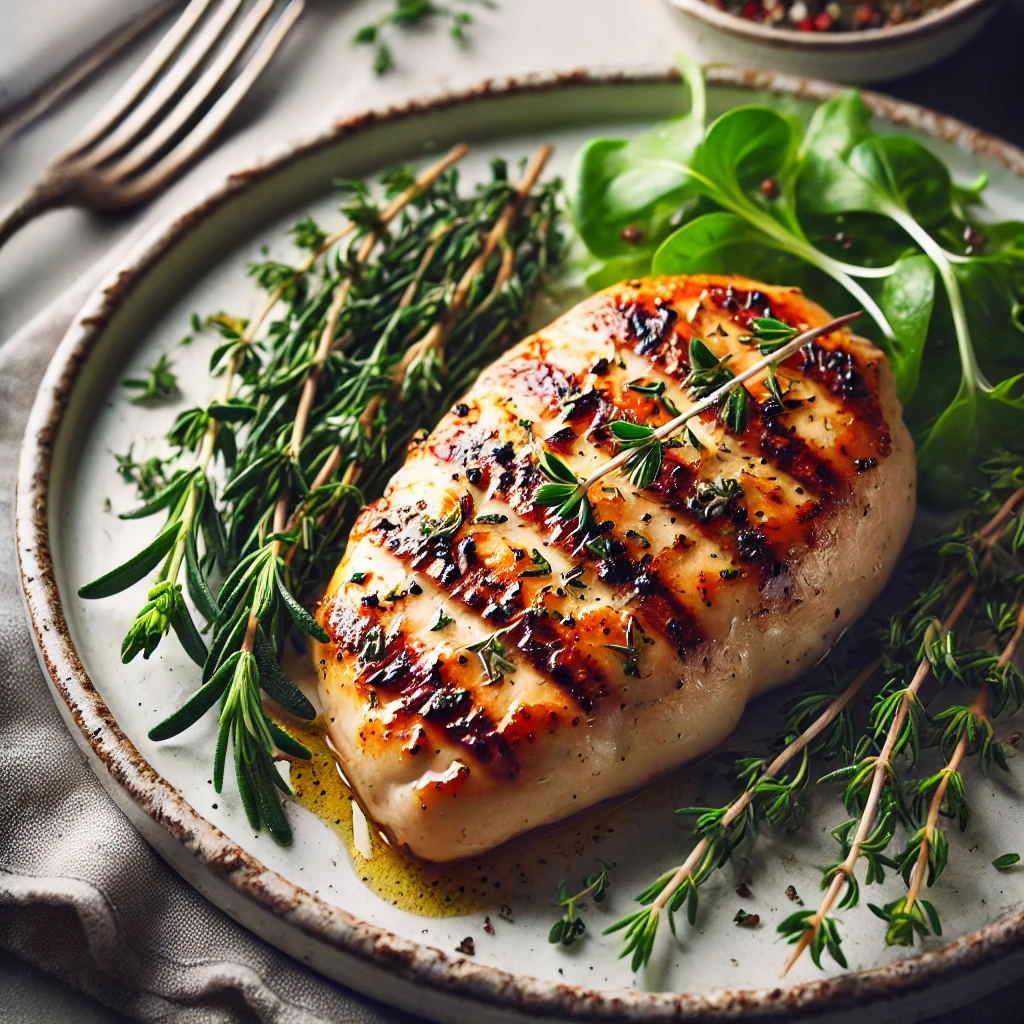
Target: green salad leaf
<point>624,194</point>
<point>855,219</point>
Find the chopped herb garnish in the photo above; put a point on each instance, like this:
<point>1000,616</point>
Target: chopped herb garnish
<point>569,928</point>
<point>574,577</point>
<point>373,646</point>
<point>493,656</point>
<point>713,498</point>
<point>159,384</point>
<point>652,389</point>
<point>629,652</point>
<point>441,621</point>
<point>541,566</point>
<point>444,528</point>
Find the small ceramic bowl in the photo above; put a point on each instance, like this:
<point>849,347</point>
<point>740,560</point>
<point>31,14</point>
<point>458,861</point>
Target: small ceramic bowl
<point>851,57</point>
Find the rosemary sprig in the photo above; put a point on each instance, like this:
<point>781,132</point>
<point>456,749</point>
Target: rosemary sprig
<point>641,447</point>
<point>304,403</point>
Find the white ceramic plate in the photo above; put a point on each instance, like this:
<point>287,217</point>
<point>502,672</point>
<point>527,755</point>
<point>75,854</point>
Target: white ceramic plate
<point>309,899</point>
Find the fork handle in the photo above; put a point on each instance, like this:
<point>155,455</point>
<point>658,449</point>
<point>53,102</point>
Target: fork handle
<point>48,193</point>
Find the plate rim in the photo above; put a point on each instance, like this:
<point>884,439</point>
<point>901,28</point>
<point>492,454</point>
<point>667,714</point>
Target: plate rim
<point>418,963</point>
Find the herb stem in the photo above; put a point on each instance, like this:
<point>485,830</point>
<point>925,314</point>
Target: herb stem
<point>739,805</point>
<point>882,763</point>
<point>974,378</point>
<point>436,336</point>
<point>423,181</point>
<point>676,424</point>
<point>978,709</point>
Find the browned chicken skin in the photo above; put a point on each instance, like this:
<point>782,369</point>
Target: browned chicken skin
<point>615,657</point>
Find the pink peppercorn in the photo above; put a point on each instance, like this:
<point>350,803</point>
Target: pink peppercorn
<point>806,25</point>
<point>823,22</point>
<point>752,10</point>
<point>865,14</point>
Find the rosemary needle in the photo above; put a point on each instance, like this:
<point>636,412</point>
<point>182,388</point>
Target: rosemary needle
<point>300,419</point>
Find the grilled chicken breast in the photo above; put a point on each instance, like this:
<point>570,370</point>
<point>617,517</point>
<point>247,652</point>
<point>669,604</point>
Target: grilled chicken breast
<point>490,670</point>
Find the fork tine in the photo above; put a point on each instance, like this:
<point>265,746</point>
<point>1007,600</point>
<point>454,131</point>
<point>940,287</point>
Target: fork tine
<point>194,98</point>
<point>213,120</point>
<point>166,88</point>
<point>114,109</point>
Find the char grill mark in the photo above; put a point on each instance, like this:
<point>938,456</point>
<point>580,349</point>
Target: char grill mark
<point>590,409</point>
<point>835,369</point>
<point>792,455</point>
<point>550,648</point>
<point>743,306</point>
<point>681,627</point>
<point>648,327</point>
<point>731,532</point>
<point>587,413</point>
<point>650,330</point>
<point>414,684</point>
<point>531,377</point>
<point>462,444</point>
<point>517,485</point>
<point>498,596</point>
<point>561,441</point>
<point>349,625</point>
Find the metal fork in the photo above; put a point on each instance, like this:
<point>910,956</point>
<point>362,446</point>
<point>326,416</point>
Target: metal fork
<point>144,136</point>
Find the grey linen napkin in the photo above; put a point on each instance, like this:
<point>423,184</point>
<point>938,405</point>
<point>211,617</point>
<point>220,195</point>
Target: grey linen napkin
<point>82,895</point>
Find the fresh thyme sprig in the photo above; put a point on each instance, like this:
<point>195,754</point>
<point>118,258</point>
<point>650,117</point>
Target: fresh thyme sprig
<point>767,794</point>
<point>407,13</point>
<point>570,927</point>
<point>641,447</point>
<point>872,783</point>
<point>774,797</point>
<point>159,384</point>
<point>301,417</point>
<point>926,853</point>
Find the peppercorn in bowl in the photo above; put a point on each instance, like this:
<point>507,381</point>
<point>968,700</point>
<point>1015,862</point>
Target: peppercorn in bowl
<point>851,41</point>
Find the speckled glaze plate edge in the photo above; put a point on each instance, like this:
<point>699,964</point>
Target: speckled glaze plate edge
<point>356,952</point>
